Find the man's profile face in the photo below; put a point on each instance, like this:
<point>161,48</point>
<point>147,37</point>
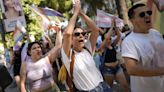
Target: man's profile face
<point>142,18</point>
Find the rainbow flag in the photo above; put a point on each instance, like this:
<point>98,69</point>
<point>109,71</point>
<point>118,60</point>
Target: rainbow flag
<point>19,32</point>
<point>45,19</point>
<point>51,12</point>
<point>50,17</point>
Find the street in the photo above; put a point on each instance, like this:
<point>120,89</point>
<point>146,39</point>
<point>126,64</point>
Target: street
<point>13,88</point>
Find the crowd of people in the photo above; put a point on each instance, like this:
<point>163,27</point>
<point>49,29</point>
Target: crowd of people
<point>93,60</point>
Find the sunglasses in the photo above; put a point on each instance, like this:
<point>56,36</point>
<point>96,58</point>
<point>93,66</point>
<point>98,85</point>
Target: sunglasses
<point>78,33</point>
<point>142,14</point>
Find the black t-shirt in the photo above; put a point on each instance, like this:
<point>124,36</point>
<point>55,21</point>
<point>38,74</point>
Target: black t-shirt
<point>110,55</point>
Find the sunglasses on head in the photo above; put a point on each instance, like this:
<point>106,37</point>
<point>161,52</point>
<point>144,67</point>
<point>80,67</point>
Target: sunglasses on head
<point>78,33</point>
<point>142,14</point>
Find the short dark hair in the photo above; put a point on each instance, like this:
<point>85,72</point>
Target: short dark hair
<point>30,45</point>
<point>131,10</point>
<point>77,26</point>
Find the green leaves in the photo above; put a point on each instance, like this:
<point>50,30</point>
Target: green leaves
<point>33,21</point>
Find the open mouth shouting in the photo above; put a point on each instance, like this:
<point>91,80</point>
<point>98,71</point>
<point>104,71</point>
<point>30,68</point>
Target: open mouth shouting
<point>81,41</point>
<point>147,21</point>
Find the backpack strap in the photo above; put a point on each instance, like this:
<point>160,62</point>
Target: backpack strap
<point>73,61</point>
<point>69,79</point>
<point>72,64</point>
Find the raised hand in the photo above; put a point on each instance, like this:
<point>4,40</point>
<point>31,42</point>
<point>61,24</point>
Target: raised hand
<point>77,6</point>
<point>81,12</point>
<point>113,24</point>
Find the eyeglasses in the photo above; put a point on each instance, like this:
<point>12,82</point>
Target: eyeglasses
<point>78,33</point>
<point>142,14</point>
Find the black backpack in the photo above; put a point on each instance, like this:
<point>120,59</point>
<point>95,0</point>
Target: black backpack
<point>5,78</point>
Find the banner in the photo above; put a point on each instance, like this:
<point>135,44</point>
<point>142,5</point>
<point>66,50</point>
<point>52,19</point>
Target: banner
<point>19,32</point>
<point>104,19</point>
<point>12,12</point>
<point>51,19</point>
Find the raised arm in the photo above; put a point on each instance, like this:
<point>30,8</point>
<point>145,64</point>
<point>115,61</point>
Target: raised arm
<point>94,30</point>
<point>107,36</point>
<point>49,41</point>
<point>54,52</point>
<point>118,36</point>
<point>69,30</point>
<point>117,31</point>
<point>136,69</point>
<point>23,77</point>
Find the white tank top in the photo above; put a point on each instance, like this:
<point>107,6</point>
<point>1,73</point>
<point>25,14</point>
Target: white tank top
<point>86,75</point>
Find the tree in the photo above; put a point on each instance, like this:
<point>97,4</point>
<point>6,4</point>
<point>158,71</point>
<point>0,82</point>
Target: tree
<point>93,6</point>
<point>122,10</point>
<point>63,6</point>
<point>32,20</point>
<point>33,24</point>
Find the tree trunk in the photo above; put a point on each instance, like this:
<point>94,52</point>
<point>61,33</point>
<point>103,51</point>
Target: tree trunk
<point>119,9</point>
<point>122,10</point>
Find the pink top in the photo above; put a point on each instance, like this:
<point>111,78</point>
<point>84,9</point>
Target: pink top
<point>39,74</point>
